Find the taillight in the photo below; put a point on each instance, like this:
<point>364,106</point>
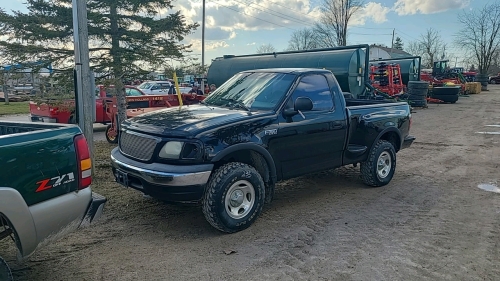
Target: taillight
<point>84,162</point>
<point>409,125</point>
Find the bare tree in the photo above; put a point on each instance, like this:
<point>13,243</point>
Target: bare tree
<point>325,35</point>
<point>444,54</point>
<point>334,20</point>
<point>431,44</point>
<point>266,48</point>
<point>495,64</point>
<point>480,34</point>
<point>303,39</point>
<point>414,48</point>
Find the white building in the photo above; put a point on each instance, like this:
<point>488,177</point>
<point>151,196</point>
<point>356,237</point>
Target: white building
<point>380,52</point>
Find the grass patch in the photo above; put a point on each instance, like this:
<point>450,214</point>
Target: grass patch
<point>22,107</point>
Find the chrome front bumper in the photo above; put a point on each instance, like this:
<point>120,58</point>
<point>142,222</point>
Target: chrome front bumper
<point>162,174</point>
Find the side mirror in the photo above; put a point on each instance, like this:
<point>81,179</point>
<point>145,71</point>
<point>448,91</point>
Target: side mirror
<point>301,104</point>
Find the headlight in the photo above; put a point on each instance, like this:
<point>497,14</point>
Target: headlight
<point>171,150</point>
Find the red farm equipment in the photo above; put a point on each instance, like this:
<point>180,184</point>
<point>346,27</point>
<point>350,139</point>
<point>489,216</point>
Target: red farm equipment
<point>142,104</point>
<point>387,78</point>
<point>442,75</point>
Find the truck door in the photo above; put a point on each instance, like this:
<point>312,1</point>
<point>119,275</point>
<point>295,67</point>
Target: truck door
<point>314,140</point>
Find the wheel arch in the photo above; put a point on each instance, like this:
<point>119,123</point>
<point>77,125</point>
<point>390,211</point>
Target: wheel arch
<point>251,154</point>
<point>15,210</point>
<point>391,135</point>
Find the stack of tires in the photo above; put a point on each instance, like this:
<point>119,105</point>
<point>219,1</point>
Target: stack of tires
<point>417,93</point>
<point>446,94</point>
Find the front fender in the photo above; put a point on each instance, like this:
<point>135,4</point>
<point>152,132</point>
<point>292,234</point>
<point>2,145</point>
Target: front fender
<point>249,146</point>
<point>14,208</point>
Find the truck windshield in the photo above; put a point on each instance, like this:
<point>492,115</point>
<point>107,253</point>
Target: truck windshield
<point>258,90</point>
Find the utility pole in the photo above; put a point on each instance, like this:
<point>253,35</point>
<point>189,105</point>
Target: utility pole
<point>456,59</point>
<point>202,84</point>
<point>84,93</point>
<point>392,44</point>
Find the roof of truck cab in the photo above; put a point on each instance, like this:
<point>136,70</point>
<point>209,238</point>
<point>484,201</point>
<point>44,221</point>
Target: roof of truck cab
<point>289,70</point>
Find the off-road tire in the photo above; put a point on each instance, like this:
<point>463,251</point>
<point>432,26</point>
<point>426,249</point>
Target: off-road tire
<point>5,273</point>
<point>369,167</point>
<point>218,185</point>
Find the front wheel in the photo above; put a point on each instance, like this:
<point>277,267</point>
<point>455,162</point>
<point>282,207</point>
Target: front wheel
<point>380,166</point>
<point>234,197</point>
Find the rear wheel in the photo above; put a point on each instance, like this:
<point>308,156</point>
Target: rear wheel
<point>5,273</point>
<point>380,166</point>
<point>234,197</point>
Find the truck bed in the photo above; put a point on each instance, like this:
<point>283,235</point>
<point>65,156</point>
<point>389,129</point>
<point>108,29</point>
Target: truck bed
<point>360,102</point>
<point>9,128</point>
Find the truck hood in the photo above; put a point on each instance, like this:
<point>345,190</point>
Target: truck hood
<point>189,120</point>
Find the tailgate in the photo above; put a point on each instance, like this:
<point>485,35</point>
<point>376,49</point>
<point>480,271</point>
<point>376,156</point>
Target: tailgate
<point>41,164</point>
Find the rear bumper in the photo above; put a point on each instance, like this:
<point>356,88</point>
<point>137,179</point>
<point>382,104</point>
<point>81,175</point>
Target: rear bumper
<point>407,141</point>
<point>172,183</point>
<point>95,209</point>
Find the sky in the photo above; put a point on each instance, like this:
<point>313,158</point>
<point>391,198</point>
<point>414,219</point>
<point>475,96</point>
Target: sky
<point>237,27</point>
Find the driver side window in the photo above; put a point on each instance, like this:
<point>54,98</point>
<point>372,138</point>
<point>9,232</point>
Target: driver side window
<point>316,88</point>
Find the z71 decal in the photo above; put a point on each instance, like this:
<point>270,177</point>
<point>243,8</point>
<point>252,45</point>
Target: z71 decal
<point>55,181</point>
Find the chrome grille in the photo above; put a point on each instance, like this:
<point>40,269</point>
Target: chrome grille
<point>137,146</point>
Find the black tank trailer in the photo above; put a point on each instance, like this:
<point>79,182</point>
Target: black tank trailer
<point>349,64</point>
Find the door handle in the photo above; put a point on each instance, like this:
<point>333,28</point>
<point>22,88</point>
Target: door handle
<point>336,125</point>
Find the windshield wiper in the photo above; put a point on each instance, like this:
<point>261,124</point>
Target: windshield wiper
<point>238,102</point>
<point>205,104</point>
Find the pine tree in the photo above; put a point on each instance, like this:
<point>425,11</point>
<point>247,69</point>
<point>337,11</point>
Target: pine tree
<point>398,44</point>
<point>126,37</point>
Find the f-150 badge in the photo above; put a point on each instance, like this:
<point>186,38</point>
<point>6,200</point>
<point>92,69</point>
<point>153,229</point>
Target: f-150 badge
<point>271,132</point>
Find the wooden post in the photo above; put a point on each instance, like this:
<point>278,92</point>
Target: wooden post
<point>82,66</point>
<point>6,94</point>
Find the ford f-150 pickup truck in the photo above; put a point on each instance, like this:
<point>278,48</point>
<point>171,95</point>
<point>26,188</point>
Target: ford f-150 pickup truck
<point>258,128</point>
<point>45,178</point>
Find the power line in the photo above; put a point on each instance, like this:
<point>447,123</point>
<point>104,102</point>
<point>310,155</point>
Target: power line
<point>376,34</point>
<point>362,27</point>
<point>253,16</point>
<point>274,3</point>
<point>404,37</point>
<point>289,17</point>
<point>397,30</point>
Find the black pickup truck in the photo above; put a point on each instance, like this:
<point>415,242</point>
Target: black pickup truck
<point>258,128</point>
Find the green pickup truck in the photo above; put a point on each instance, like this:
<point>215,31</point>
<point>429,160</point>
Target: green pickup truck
<point>45,178</point>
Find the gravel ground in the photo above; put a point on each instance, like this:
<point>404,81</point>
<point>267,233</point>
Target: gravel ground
<point>432,222</point>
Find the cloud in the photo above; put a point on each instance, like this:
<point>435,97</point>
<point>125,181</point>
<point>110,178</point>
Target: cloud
<point>225,18</point>
<point>209,45</point>
<point>374,11</point>
<point>237,14</point>
<point>410,7</point>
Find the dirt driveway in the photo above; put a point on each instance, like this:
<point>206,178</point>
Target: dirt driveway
<point>431,223</point>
